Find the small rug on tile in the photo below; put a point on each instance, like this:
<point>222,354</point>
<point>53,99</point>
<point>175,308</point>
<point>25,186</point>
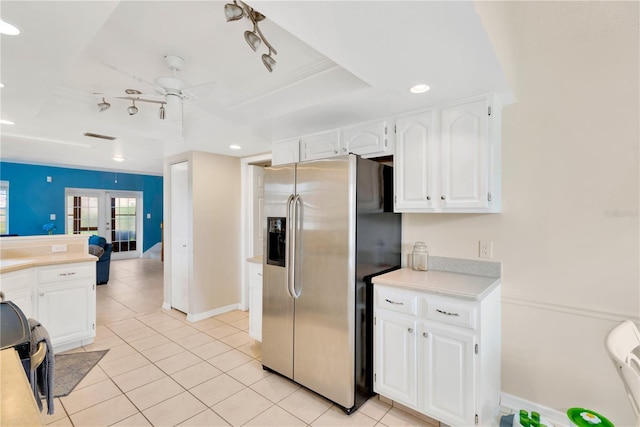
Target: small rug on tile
<point>71,368</point>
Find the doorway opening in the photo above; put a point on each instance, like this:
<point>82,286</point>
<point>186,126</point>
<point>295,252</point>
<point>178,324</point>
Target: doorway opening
<point>114,215</point>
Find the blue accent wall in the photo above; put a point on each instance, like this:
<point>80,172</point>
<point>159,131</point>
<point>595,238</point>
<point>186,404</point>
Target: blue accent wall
<point>32,199</point>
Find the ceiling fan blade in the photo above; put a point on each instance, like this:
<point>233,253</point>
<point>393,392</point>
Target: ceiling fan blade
<point>217,110</point>
<point>204,90</point>
<point>159,89</point>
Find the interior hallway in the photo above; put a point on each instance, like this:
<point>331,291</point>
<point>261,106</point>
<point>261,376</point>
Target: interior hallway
<point>162,370</point>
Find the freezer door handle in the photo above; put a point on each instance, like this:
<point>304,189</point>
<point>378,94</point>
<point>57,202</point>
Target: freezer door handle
<point>287,243</point>
<point>294,244</point>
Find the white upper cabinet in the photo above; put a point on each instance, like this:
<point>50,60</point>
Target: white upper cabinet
<point>448,160</point>
<point>415,163</point>
<point>367,139</point>
<point>287,151</point>
<point>464,137</point>
<point>320,146</point>
<point>372,139</point>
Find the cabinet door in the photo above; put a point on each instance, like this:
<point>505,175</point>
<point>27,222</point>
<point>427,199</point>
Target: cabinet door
<point>415,163</point>
<point>320,146</point>
<point>67,310</point>
<point>448,375</point>
<point>285,152</point>
<point>465,151</point>
<point>395,358</point>
<point>17,287</point>
<point>255,301</point>
<point>366,139</point>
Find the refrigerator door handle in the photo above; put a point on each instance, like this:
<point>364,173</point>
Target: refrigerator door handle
<point>288,238</point>
<point>294,225</point>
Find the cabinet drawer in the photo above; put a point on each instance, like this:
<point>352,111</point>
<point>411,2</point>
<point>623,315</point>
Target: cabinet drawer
<point>66,272</point>
<point>451,312</point>
<point>396,300</point>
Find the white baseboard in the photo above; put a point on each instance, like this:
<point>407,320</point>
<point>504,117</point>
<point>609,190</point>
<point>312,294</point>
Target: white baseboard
<point>515,403</point>
<point>166,305</point>
<point>211,313</point>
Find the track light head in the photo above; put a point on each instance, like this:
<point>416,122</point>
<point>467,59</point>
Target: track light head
<point>233,12</point>
<point>268,61</point>
<point>132,109</point>
<point>103,106</point>
<point>161,112</point>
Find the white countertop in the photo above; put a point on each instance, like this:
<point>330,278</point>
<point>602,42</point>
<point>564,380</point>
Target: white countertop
<point>13,264</point>
<point>458,285</point>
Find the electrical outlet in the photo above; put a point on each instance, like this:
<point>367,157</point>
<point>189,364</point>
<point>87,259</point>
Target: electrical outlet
<point>486,249</point>
<point>58,248</point>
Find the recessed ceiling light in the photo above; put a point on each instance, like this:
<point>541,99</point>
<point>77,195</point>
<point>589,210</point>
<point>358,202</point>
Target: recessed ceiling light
<point>8,29</point>
<point>235,147</point>
<point>118,158</point>
<point>6,122</point>
<point>420,88</point>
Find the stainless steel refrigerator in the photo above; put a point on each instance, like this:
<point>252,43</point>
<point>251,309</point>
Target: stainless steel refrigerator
<point>329,227</point>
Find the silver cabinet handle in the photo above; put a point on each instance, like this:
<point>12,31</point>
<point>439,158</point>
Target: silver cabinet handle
<point>393,302</point>
<point>67,274</point>
<point>260,274</point>
<point>410,330</point>
<point>335,151</point>
<point>442,197</point>
<point>447,313</point>
<point>41,294</point>
<point>428,197</point>
<point>425,334</point>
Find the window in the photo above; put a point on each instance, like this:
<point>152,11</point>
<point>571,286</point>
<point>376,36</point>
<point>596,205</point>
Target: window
<point>4,207</point>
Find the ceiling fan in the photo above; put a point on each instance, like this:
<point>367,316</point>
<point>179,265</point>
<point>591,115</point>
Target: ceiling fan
<point>170,90</point>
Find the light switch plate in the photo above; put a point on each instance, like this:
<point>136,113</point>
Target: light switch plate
<point>52,217</point>
<point>58,248</point>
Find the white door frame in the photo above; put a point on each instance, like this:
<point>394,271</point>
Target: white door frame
<point>104,207</point>
<point>246,236</point>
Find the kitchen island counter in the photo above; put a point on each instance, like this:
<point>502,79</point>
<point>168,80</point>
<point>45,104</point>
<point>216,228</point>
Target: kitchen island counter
<point>18,263</point>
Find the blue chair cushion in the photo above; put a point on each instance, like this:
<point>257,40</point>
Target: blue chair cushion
<point>97,240</point>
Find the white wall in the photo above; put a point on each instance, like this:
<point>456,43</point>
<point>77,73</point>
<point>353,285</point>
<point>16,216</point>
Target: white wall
<point>215,278</point>
<point>568,236</point>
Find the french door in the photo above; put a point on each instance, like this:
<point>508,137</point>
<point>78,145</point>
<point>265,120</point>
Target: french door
<point>110,214</point>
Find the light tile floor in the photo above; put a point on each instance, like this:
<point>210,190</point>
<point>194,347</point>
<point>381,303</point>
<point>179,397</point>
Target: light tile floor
<point>162,370</point>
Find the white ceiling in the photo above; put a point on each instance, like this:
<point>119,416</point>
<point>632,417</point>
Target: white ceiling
<point>338,63</point>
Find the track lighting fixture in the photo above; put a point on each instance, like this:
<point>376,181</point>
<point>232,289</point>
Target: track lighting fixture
<point>132,109</point>
<point>103,106</point>
<point>236,11</point>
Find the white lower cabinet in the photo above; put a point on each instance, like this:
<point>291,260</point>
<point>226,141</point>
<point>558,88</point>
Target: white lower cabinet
<point>396,358</point>
<point>447,376</point>
<point>255,301</point>
<point>430,354</point>
<point>17,288</point>
<point>66,303</point>
<point>62,297</point>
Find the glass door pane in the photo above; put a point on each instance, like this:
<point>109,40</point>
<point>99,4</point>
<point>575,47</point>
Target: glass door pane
<point>82,214</point>
<point>123,224</point>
